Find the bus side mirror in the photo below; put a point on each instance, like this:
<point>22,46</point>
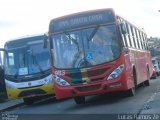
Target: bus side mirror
<point>45,41</point>
<point>123,28</point>
<point>2,49</point>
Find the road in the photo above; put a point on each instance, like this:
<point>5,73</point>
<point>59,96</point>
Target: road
<point>97,104</point>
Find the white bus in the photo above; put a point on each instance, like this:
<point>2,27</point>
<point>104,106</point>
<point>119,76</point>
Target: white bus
<point>27,71</point>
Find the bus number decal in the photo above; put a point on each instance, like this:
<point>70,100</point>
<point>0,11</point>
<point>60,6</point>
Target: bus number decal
<point>59,72</point>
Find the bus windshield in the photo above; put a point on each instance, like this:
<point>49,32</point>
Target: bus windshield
<point>27,60</point>
<point>38,58</point>
<point>85,47</point>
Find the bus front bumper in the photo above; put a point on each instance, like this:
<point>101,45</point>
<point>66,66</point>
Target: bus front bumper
<point>89,89</point>
<point>30,92</point>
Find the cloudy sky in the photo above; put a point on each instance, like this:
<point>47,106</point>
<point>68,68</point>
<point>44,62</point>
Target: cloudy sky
<point>27,17</point>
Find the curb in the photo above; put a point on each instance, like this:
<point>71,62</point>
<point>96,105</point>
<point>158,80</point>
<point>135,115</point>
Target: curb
<point>9,107</point>
<point>21,103</point>
<point>12,107</point>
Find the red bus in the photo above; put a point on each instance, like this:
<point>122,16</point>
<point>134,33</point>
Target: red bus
<point>95,52</point>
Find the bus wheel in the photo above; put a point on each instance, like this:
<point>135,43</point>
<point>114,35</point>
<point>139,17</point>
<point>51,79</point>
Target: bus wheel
<point>80,100</point>
<point>157,73</point>
<point>131,92</point>
<point>147,82</point>
<point>28,101</point>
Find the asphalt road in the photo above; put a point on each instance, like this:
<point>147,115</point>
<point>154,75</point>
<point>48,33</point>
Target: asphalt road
<point>97,104</point>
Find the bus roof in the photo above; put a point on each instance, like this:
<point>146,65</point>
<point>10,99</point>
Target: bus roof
<point>66,22</point>
<point>22,41</point>
<point>80,19</point>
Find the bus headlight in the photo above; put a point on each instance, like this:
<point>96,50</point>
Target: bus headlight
<point>116,72</point>
<point>61,82</point>
<point>49,79</point>
<point>10,85</point>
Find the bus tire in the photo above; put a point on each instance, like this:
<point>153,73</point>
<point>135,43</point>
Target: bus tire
<point>131,92</point>
<point>147,82</point>
<point>79,100</point>
<point>28,101</point>
<point>157,73</point>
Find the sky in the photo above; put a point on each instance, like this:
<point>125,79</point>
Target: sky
<point>29,17</point>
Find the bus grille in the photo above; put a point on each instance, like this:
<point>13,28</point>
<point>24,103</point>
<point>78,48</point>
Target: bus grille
<point>97,72</point>
<point>77,74</point>
<point>88,88</point>
<point>97,79</point>
<point>31,92</point>
<point>80,76</point>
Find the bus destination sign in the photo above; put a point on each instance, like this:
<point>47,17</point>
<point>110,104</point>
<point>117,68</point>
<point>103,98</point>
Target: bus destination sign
<point>81,20</point>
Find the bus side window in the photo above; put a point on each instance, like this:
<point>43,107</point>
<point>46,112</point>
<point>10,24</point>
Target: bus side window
<point>145,41</point>
<point>132,37</point>
<point>142,40</point>
<point>135,37</point>
<point>128,36</point>
<point>139,39</point>
<point>123,36</point>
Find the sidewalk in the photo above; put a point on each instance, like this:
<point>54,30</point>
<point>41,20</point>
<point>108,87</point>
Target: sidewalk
<point>10,104</point>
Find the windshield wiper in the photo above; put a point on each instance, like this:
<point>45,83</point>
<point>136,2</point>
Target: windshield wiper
<point>37,63</point>
<point>24,62</point>
<point>72,39</point>
<point>93,33</point>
